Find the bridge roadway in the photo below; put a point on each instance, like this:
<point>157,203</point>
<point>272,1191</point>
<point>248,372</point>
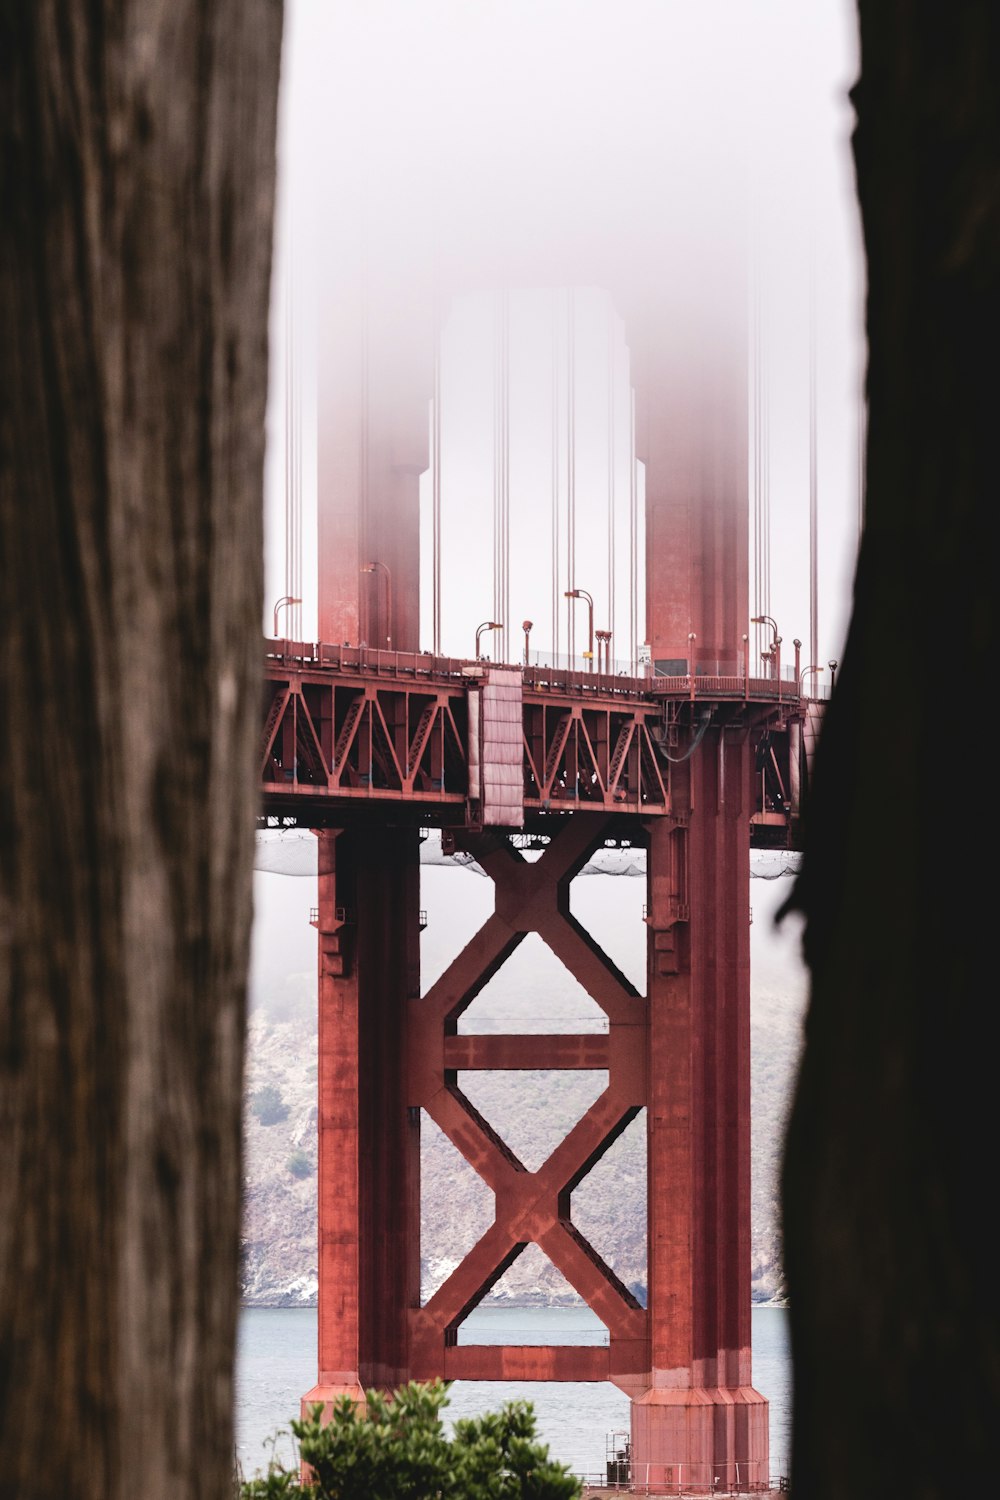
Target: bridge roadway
<point>351,734</point>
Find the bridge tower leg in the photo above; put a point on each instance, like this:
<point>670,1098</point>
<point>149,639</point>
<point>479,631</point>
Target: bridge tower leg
<point>699,1422</point>
<point>369,1142</point>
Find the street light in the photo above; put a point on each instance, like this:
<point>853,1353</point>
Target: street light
<point>371,568</point>
<point>526,627</point>
<point>582,594</point>
<point>604,638</point>
<point>833,672</point>
<point>775,657</point>
<point>805,673</point>
<point>287,599</point>
<point>486,625</point>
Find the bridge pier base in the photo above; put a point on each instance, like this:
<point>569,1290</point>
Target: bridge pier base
<point>713,1438</point>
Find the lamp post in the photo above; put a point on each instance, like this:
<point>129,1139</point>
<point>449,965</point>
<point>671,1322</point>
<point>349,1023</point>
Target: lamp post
<point>798,647</point>
<point>371,568</point>
<point>526,627</point>
<point>287,599</point>
<point>582,594</point>
<point>804,674</point>
<point>833,673</point>
<point>603,639</point>
<point>486,625</point>
<point>775,655</point>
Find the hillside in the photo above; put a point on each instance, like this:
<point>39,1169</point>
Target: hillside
<point>531,1110</point>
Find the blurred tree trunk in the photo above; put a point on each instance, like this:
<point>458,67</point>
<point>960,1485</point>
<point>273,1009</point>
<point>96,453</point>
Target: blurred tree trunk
<point>891,1149</point>
<point>136,183</point>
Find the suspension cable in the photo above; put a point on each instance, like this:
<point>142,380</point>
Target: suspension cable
<point>555,481</point>
<point>496,458</point>
<point>761,446</point>
<point>813,498</point>
<point>633,540</point>
<point>504,615</point>
<point>293,450</point>
<point>571,469</point>
<point>436,489</point>
<point>365,620</point>
<point>611,473</point>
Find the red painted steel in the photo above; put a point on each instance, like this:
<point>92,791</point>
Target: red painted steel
<point>369,1217</point>
<point>699,1407</point>
<point>682,1051</point>
<point>367,739</point>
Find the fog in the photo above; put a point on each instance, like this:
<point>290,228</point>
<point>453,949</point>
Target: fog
<point>616,167</point>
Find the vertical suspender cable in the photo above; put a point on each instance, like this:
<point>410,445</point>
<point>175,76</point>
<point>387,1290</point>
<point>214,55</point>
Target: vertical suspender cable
<point>365,613</point>
<point>611,472</point>
<point>633,542</point>
<point>501,470</point>
<point>813,498</point>
<point>293,449</point>
<point>496,458</point>
<point>504,616</point>
<point>436,491</point>
<point>297,366</point>
<point>287,352</point>
<point>757,606</point>
<point>765,460</point>
<point>762,459</point>
<point>556,592</point>
<point>571,469</point>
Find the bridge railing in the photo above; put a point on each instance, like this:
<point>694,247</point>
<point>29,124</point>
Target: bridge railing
<point>367,661</point>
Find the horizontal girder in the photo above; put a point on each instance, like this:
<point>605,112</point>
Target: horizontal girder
<point>346,730</point>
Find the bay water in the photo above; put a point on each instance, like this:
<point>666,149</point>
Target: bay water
<point>276,1366</point>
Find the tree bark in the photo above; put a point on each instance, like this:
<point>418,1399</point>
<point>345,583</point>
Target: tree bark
<point>891,1144</point>
<point>136,182</point>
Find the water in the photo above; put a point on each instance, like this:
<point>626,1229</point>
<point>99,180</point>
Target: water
<point>276,1365</point>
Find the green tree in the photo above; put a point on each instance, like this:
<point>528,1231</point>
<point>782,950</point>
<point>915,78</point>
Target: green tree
<point>299,1164</point>
<point>268,1105</point>
<point>398,1449</point>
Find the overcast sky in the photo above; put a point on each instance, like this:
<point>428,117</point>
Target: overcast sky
<point>634,130</point>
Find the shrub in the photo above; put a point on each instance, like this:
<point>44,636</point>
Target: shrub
<point>268,1105</point>
<point>299,1164</point>
<point>397,1449</point>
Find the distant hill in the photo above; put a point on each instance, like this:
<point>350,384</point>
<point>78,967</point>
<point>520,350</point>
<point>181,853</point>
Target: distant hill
<point>532,1111</point>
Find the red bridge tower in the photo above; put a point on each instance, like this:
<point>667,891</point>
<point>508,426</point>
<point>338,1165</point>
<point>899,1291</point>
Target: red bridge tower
<point>368,744</point>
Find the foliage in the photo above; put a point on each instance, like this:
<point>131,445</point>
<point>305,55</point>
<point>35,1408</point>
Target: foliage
<point>398,1449</point>
<point>299,1164</point>
<point>268,1105</point>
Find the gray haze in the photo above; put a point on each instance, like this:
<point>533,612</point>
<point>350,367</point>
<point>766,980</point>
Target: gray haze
<point>554,145</point>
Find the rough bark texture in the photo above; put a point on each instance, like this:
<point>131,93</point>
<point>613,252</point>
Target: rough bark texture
<point>891,1149</point>
<point>136,182</point>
